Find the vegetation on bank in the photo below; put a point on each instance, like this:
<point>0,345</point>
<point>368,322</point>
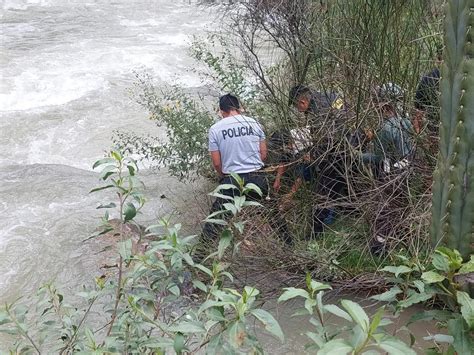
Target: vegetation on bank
<point>162,301</point>
<point>345,47</point>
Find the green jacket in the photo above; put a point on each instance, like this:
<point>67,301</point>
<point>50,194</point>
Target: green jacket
<point>393,141</point>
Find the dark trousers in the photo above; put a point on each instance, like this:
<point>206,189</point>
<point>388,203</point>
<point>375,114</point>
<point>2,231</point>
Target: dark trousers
<point>333,185</point>
<point>211,231</point>
<point>329,182</point>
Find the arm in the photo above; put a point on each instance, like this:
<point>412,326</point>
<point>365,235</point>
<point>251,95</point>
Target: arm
<point>286,200</point>
<point>216,162</point>
<point>280,171</point>
<point>263,150</point>
<point>296,186</point>
<point>418,120</point>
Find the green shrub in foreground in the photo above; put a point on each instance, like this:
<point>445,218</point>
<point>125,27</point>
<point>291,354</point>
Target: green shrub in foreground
<point>149,310</point>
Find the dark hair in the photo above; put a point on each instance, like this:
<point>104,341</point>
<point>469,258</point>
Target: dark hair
<point>296,92</point>
<point>228,103</point>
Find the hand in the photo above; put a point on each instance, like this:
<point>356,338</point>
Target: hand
<point>369,134</point>
<point>277,185</point>
<point>286,202</point>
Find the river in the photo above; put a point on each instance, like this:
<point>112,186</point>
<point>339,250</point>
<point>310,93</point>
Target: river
<point>67,67</point>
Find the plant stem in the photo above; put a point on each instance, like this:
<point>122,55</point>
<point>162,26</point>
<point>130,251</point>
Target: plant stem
<point>119,282</point>
<point>23,332</point>
<point>76,331</point>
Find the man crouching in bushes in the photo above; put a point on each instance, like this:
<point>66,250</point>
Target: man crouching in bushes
<point>237,145</point>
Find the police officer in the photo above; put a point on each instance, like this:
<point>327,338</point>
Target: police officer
<point>319,160</point>
<point>237,145</point>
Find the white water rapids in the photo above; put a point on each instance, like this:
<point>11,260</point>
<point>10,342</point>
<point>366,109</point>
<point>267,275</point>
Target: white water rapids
<point>66,68</point>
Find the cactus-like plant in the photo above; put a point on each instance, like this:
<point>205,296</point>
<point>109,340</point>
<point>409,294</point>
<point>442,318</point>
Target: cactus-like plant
<point>453,189</point>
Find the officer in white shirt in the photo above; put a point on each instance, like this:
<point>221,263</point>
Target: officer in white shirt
<point>237,145</point>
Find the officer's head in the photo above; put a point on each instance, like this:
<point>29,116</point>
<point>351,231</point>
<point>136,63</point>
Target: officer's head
<point>388,97</point>
<point>300,97</point>
<point>229,104</point>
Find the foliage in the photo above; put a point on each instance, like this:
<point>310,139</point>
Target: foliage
<point>149,305</point>
<point>441,280</point>
<point>152,307</point>
<point>186,121</point>
<point>361,336</point>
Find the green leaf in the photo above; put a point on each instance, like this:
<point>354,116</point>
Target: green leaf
<point>253,187</point>
<point>316,338</point>
<point>224,197</point>
<point>376,320</point>
<point>224,242</point>
<point>454,257</point>
<point>101,188</point>
<point>467,308</point>
<point>238,202</point>
<point>116,155</point>
<point>5,318</point>
<point>336,347</point>
<point>440,338</point>
<point>269,322</point>
<point>240,226</point>
<point>358,337</point>
<point>440,262</point>
<point>203,269</point>
<point>388,296</point>
<point>251,203</point>
<point>178,343</point>
<point>188,327</point>
<point>318,286</point>
<point>90,336</point>
<point>397,270</point>
<point>231,207</point>
<point>107,171</point>
<point>216,221</point>
<point>394,346</point>
<point>98,233</point>
<point>174,289</point>
<point>432,277</point>
<point>414,299</point>
<point>129,212</point>
<point>331,308</point>
<point>189,260</point>
<point>200,285</point>
<point>225,187</point>
<point>125,249</point>
<point>309,304</point>
<point>210,304</point>
<point>467,267</point>
<point>102,162</point>
<point>237,334</point>
<point>110,205</point>
<point>463,342</point>
<point>131,170</point>
<point>420,285</point>
<point>357,314</point>
<point>291,292</point>
<point>439,315</point>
